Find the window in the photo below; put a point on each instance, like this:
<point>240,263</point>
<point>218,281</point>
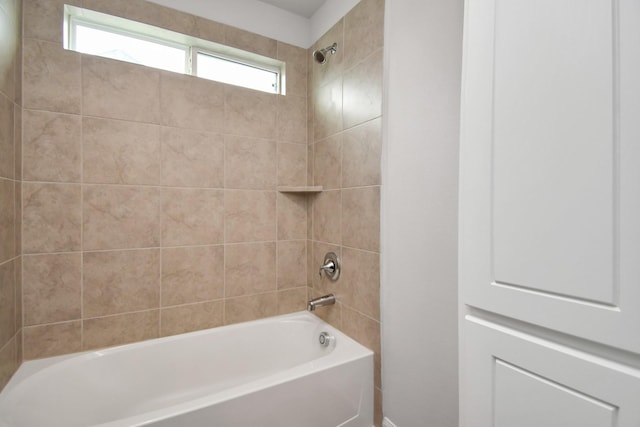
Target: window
<point>95,33</point>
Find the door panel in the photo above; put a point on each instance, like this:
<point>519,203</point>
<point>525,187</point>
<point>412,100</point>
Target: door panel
<point>550,148</point>
<point>514,379</point>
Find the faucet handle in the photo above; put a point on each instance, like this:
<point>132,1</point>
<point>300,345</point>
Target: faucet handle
<point>331,266</point>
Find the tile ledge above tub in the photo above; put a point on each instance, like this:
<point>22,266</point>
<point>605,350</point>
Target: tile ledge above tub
<point>300,189</point>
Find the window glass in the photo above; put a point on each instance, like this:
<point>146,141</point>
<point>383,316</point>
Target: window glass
<point>235,73</point>
<point>96,41</point>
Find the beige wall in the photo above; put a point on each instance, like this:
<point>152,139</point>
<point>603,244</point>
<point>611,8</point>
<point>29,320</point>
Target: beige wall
<point>150,202</point>
<point>345,144</point>
<point>10,251</point>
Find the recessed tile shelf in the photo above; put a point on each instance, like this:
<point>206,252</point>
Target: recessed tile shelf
<point>301,189</point>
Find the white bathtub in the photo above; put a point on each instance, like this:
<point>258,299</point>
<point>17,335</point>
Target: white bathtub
<point>266,373</point>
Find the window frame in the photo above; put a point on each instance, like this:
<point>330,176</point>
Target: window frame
<point>192,46</point>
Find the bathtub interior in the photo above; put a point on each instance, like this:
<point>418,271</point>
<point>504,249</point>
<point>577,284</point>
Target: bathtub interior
<point>148,380</point>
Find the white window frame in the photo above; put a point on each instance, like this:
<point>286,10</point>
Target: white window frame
<point>189,44</point>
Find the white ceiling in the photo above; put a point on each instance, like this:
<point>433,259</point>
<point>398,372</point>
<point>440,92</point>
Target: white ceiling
<point>305,8</point>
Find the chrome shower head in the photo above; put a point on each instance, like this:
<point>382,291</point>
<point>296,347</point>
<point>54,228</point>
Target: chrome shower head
<point>320,56</point>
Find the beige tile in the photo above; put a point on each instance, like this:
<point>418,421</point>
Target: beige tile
<point>249,215</point>
<point>328,110</point>
<point>250,163</point>
<point>362,93</point>
<point>367,332</point>
<point>310,266</point>
<point>292,164</point>
<point>249,112</point>
<point>120,217</point>
<point>192,274</point>
<point>326,217</point>
<point>363,31</point>
<point>328,162</point>
<point>296,61</point>
<point>361,154</point>
<point>51,340</point>
<point>120,90</point>
<point>292,119</point>
<point>120,281</point>
<point>120,329</point>
<point>8,361</point>
<point>191,317</point>
<point>119,152</point>
<point>7,301</point>
<point>210,30</point>
<point>43,18</point>
<point>51,217</point>
<point>251,307</point>
<point>292,216</point>
<point>250,269</point>
<point>251,42</point>
<point>292,264</point>
<point>361,218</point>
<point>52,287</point>
<point>361,279</point>
<point>7,219</point>
<point>7,154</point>
<point>192,217</point>
<point>191,102</point>
<point>51,77</point>
<point>324,73</point>
<point>292,300</point>
<point>192,158</point>
<point>51,147</point>
<point>320,283</point>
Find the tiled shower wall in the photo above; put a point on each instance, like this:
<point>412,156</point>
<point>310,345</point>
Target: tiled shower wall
<point>345,102</point>
<point>149,198</point>
<point>10,251</point>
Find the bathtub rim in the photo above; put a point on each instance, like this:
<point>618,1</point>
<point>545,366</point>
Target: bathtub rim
<point>340,355</point>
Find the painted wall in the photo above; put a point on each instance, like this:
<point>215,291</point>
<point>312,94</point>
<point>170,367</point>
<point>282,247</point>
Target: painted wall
<point>345,141</point>
<point>422,70</point>
<point>150,202</point>
<point>10,250</point>
<point>267,20</point>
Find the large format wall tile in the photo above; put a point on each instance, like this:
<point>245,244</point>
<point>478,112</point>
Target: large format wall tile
<point>192,158</point>
<point>361,218</point>
<point>6,137</point>
<point>363,31</point>
<point>328,162</point>
<point>296,60</point>
<point>292,216</point>
<point>51,149</point>
<point>119,90</point>
<point>7,222</point>
<point>292,164</point>
<point>119,152</point>
<point>191,317</point>
<point>192,216</point>
<point>120,281</point>
<point>328,106</point>
<point>361,154</point>
<point>7,301</point>
<point>361,276</point>
<point>252,307</point>
<point>51,78</point>
<point>117,217</point>
<point>192,274</point>
<point>292,119</point>
<point>51,217</point>
<point>120,329</point>
<point>250,163</point>
<point>190,102</point>
<point>292,264</point>
<point>52,339</point>
<point>250,269</point>
<point>249,112</point>
<point>52,288</point>
<point>363,91</point>
<point>249,215</point>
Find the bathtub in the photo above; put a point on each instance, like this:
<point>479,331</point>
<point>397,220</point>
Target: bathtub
<point>266,373</point>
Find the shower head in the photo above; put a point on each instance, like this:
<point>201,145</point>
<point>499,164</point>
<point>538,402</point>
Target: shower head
<point>320,56</point>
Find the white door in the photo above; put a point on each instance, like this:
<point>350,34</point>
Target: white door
<point>550,213</point>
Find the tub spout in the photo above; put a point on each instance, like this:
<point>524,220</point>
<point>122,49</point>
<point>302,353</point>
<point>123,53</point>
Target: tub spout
<point>321,301</point>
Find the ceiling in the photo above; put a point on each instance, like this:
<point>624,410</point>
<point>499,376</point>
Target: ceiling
<point>305,8</point>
